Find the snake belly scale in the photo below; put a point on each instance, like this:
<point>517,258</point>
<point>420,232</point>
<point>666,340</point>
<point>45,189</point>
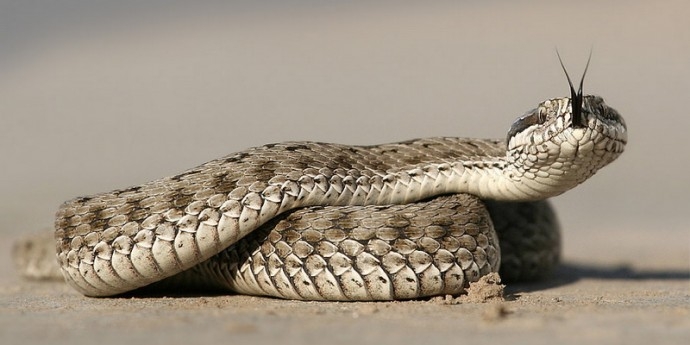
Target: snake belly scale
<point>305,220</point>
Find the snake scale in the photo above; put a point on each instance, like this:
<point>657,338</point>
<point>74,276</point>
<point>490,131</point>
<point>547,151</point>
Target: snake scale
<point>318,221</point>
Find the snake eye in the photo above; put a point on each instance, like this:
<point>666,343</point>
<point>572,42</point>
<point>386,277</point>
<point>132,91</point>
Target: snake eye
<point>531,118</point>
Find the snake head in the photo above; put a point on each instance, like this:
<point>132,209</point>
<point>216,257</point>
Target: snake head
<point>562,142</point>
<point>580,111</point>
<point>563,115</point>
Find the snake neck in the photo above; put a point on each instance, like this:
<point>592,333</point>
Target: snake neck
<point>489,178</point>
<point>479,167</point>
<point>493,178</point>
<point>515,176</point>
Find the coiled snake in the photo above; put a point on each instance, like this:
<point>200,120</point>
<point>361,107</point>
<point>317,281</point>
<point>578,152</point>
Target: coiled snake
<point>316,221</point>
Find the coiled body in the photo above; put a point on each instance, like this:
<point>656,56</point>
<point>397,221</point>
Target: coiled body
<point>126,239</point>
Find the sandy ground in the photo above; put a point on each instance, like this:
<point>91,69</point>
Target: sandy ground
<point>94,98</point>
<point>582,303</point>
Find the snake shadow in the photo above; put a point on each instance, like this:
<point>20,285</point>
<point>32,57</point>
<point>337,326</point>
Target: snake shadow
<point>566,273</point>
<point>569,273</point>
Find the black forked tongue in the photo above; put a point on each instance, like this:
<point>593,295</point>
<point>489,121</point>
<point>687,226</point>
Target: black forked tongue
<point>576,97</point>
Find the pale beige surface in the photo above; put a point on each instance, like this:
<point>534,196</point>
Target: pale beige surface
<point>110,100</point>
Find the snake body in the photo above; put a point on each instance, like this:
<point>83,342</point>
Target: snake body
<point>318,221</point>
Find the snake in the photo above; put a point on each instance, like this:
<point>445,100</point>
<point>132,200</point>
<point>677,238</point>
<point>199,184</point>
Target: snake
<point>321,221</point>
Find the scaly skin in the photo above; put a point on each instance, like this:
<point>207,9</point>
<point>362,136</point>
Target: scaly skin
<point>118,241</point>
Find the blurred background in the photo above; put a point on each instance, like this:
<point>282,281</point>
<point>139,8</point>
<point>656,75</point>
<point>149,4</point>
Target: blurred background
<point>98,95</point>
